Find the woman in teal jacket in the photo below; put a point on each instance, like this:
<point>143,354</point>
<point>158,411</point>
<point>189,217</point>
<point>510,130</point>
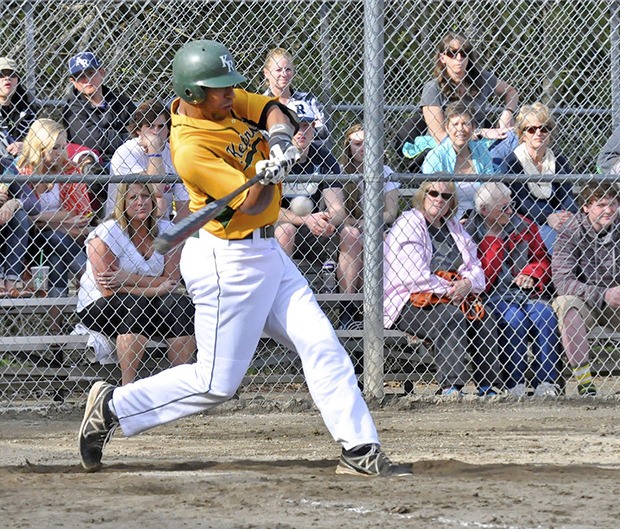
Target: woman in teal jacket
<point>458,153</point>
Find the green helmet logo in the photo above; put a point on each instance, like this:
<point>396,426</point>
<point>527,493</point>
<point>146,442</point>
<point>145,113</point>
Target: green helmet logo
<point>202,64</point>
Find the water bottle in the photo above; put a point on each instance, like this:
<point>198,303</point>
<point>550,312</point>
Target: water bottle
<point>328,275</point>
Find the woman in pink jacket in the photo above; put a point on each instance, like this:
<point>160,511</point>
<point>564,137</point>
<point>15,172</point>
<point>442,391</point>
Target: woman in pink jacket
<point>422,243</point>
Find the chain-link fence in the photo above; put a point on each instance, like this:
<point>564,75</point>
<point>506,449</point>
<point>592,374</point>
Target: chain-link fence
<point>525,89</point>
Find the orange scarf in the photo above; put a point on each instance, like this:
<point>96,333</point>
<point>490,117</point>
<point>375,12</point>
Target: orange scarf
<point>472,307</point>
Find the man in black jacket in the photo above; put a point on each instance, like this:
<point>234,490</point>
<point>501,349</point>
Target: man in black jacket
<point>95,116</point>
<point>18,109</point>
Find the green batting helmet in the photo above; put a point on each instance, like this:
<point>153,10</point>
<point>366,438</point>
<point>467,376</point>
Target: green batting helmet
<point>202,64</point>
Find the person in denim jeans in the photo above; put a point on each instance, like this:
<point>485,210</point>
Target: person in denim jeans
<point>517,267</point>
<point>14,238</point>
<point>61,212</point>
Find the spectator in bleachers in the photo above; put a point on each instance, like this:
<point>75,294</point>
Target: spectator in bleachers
<point>549,204</point>
<point>318,233</point>
<point>130,292</point>
<point>148,152</point>
<point>18,109</point>
<point>457,78</point>
<point>459,153</point>
<point>517,267</point>
<point>352,162</point>
<point>586,275</point>
<point>279,71</point>
<point>609,156</point>
<point>94,115</point>
<point>61,212</point>
<point>14,239</point>
<point>432,278</point>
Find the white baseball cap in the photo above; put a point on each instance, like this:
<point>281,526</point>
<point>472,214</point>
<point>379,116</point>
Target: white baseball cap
<point>303,111</point>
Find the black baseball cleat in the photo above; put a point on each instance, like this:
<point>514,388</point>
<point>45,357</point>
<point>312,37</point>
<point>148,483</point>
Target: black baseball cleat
<point>97,426</point>
<point>373,463</point>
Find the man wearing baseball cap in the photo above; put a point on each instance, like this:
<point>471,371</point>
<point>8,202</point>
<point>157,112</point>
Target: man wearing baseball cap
<point>95,116</point>
<point>17,109</point>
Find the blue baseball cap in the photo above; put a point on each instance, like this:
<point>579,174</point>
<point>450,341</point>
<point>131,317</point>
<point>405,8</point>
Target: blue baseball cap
<point>83,61</point>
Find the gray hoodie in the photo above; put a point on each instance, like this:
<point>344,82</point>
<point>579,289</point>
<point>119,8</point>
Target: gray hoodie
<point>610,153</point>
<point>586,263</point>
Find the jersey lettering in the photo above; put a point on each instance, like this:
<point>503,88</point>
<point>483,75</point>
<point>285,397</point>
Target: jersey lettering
<point>247,147</point>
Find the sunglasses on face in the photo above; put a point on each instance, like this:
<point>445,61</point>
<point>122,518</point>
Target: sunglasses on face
<point>8,73</point>
<point>453,54</point>
<point>545,129</point>
<point>436,194</point>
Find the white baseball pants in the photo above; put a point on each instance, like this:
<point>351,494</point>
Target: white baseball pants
<point>241,288</point>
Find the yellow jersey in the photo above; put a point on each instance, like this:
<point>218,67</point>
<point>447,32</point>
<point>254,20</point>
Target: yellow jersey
<point>213,158</point>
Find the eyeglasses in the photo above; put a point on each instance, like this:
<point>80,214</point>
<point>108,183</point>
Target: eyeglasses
<point>506,207</point>
<point>453,54</point>
<point>545,129</point>
<point>8,73</point>
<point>436,194</point>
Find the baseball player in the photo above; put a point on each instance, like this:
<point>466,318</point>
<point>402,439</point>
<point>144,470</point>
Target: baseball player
<point>240,279</point>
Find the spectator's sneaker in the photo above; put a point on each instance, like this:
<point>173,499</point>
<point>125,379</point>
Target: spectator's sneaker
<point>547,389</point>
<point>97,427</point>
<point>352,325</point>
<point>518,391</point>
<point>451,393</point>
<point>587,389</point>
<point>373,463</point>
<point>487,391</point>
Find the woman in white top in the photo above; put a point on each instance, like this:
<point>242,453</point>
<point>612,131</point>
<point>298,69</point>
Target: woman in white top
<point>129,291</point>
<point>352,162</point>
<point>148,152</point>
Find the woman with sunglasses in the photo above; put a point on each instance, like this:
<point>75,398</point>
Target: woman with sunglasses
<point>548,204</point>
<point>425,246</point>
<point>457,78</point>
<point>458,153</point>
<point>17,109</point>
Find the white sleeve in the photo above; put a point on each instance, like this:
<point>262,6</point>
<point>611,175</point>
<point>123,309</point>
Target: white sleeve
<point>126,160</point>
<point>180,193</point>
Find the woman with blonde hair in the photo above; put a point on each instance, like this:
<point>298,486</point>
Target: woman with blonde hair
<point>60,212</point>
<point>129,292</point>
<point>549,204</point>
<point>432,276</point>
<point>279,71</point>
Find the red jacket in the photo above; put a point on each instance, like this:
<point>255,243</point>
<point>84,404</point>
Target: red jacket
<point>523,248</point>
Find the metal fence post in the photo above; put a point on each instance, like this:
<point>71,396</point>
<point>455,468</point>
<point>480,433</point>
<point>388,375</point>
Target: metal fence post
<point>373,197</point>
<point>614,56</point>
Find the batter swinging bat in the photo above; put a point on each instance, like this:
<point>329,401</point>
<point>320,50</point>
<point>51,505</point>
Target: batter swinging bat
<point>192,223</point>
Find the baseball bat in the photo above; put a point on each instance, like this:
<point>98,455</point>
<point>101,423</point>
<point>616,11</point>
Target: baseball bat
<point>192,223</point>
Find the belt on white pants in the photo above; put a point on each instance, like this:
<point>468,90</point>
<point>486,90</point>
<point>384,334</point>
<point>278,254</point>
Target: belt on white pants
<point>265,232</point>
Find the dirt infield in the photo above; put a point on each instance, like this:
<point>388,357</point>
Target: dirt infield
<point>477,465</point>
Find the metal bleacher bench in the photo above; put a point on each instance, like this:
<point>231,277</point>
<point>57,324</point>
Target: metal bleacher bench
<point>51,362</point>
<point>62,372</point>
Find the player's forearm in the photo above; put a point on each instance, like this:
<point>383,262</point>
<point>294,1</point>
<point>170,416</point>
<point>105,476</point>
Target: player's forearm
<point>258,200</point>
